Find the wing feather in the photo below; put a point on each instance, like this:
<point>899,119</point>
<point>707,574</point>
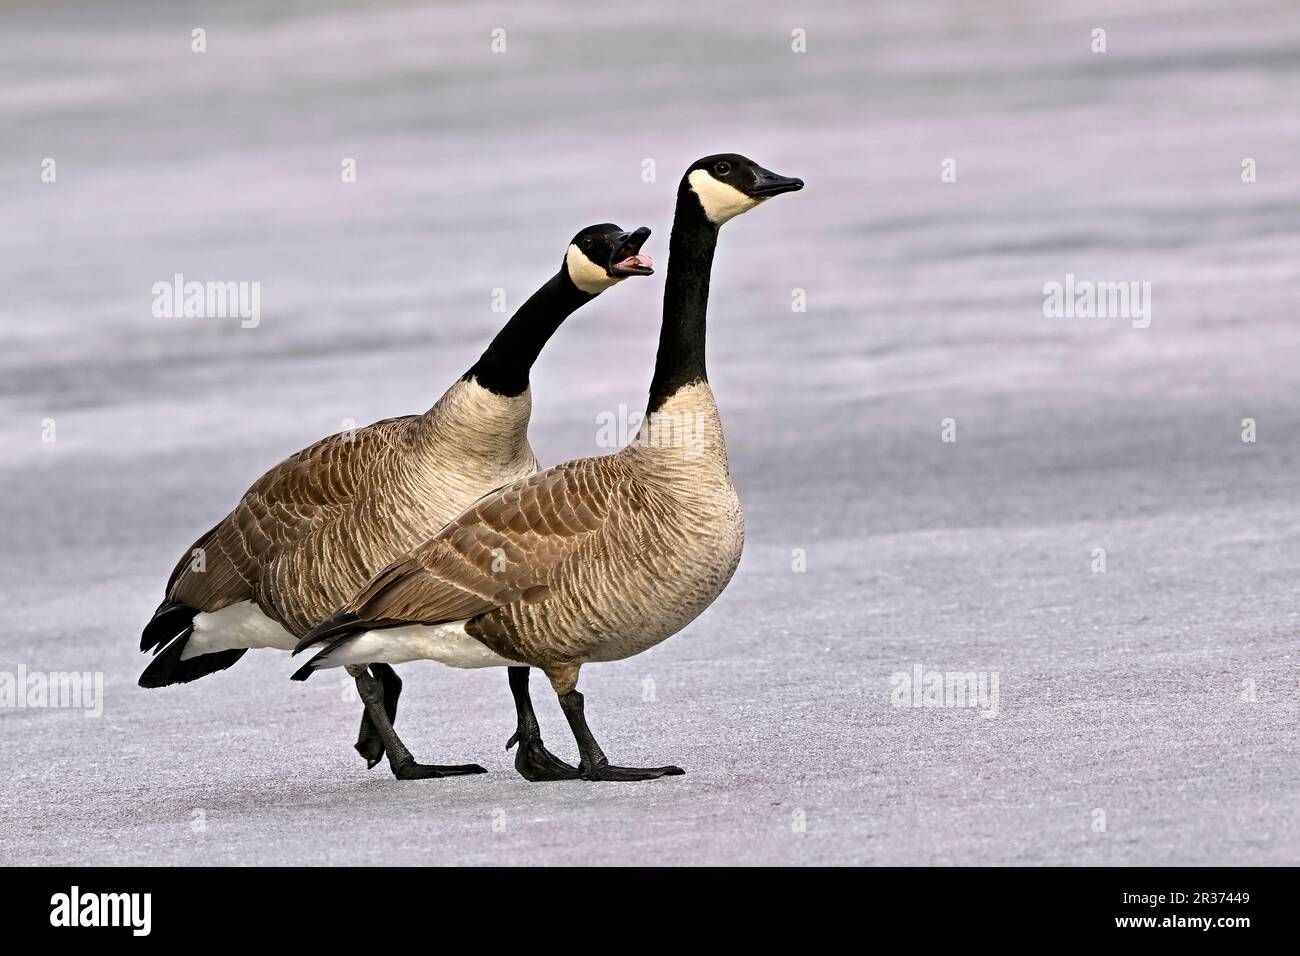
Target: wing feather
<point>246,556</point>
<point>509,546</point>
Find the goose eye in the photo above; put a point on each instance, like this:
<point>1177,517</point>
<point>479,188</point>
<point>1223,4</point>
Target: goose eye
<point>722,168</point>
<point>586,242</point>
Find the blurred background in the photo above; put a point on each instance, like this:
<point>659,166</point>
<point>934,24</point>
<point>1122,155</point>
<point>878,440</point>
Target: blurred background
<point>1163,691</point>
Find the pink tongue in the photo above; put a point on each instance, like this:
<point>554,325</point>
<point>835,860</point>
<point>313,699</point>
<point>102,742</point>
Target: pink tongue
<point>633,262</point>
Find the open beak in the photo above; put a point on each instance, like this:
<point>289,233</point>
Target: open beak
<point>773,184</point>
<point>627,259</point>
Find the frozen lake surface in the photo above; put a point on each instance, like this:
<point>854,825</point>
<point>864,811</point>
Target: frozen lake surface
<point>1160,696</point>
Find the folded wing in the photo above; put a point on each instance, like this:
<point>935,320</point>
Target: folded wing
<point>512,545</point>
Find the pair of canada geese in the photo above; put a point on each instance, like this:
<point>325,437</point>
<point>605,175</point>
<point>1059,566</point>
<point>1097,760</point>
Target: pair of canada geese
<point>593,560</point>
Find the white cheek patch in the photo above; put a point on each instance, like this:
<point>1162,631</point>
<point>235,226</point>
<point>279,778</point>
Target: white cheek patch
<point>720,201</point>
<point>586,275</point>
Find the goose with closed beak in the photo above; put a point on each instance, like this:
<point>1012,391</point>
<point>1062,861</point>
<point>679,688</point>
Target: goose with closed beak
<point>316,527</point>
<point>597,559</point>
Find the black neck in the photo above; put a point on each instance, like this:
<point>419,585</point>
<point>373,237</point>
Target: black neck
<point>504,367</point>
<point>686,300</point>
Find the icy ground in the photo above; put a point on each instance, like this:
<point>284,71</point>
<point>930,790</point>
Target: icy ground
<point>1159,697</point>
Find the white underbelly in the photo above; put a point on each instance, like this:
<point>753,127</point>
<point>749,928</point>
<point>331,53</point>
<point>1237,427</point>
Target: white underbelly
<point>445,643</point>
<point>241,625</point>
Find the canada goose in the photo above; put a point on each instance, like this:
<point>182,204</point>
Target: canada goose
<point>317,526</point>
<point>597,559</point>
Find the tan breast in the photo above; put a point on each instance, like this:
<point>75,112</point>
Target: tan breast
<point>660,558</point>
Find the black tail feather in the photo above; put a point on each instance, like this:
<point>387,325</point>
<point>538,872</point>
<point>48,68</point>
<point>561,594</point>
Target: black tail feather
<point>168,668</point>
<point>167,622</point>
<point>338,636</point>
<point>338,624</point>
<point>302,673</point>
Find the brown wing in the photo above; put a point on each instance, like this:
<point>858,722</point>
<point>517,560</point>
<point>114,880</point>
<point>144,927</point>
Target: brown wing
<point>296,497</point>
<point>503,549</point>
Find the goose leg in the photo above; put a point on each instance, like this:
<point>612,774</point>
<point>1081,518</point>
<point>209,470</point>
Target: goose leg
<point>400,760</point>
<point>595,765</point>
<point>533,761</point>
<point>368,744</point>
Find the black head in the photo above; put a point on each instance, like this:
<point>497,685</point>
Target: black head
<point>728,184</point>
<point>604,254</point>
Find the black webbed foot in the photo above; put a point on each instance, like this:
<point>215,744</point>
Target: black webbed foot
<point>425,771</point>
<point>606,771</point>
<point>594,764</point>
<point>534,762</point>
<point>370,747</point>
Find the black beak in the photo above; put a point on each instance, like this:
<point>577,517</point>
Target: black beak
<point>773,184</point>
<point>626,259</point>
